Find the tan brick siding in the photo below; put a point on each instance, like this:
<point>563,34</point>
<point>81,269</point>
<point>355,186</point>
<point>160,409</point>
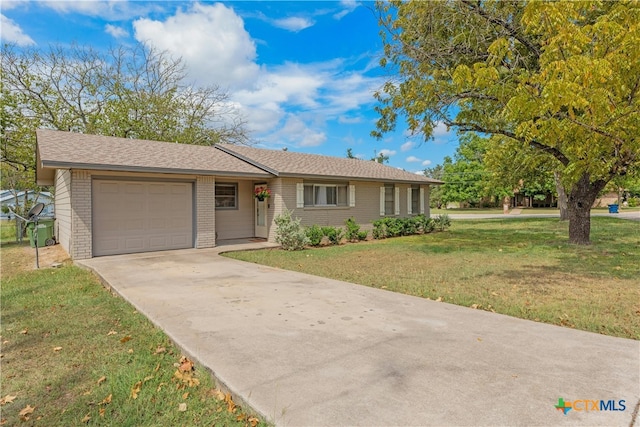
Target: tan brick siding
<point>365,211</point>
<point>205,212</point>
<point>81,241</point>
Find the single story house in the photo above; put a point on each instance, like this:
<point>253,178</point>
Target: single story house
<point>116,196</point>
<point>9,199</point>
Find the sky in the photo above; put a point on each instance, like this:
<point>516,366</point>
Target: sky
<point>302,73</point>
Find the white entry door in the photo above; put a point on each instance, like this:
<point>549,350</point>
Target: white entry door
<point>260,209</point>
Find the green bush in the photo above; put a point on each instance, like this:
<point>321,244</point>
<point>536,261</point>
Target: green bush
<point>379,229</point>
<point>633,202</point>
<point>419,224</point>
<point>352,232</point>
<point>314,234</point>
<point>334,234</point>
<point>289,233</point>
<point>442,222</point>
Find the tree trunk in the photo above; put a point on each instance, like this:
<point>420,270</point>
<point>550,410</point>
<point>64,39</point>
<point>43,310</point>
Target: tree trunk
<point>581,198</point>
<point>562,197</point>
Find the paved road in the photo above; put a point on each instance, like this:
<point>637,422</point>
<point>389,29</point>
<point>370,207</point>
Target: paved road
<point>304,350</point>
<point>634,216</point>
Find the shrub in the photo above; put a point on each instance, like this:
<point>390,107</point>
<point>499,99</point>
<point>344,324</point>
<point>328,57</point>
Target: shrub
<point>379,229</point>
<point>314,234</point>
<point>442,222</point>
<point>289,233</point>
<point>633,202</point>
<point>353,233</point>
<point>392,227</point>
<point>334,234</point>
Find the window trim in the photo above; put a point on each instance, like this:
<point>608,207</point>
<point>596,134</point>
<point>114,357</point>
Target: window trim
<point>215,196</point>
<point>336,205</point>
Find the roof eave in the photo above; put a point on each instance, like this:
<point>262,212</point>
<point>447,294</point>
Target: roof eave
<point>52,165</point>
<point>360,178</point>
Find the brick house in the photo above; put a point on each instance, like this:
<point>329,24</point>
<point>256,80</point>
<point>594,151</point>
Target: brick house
<point>116,195</point>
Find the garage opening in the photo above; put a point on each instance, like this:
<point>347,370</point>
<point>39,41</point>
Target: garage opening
<point>141,216</point>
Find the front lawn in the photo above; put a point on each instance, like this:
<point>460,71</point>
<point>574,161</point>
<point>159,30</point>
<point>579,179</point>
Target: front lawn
<point>523,268</point>
<point>74,354</point>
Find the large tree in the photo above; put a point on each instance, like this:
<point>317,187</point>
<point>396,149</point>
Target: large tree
<point>560,77</point>
<point>127,92</point>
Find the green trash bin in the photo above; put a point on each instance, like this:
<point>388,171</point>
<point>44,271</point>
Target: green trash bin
<point>44,233</point>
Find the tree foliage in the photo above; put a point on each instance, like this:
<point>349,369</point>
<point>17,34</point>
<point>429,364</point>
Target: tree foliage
<point>562,78</point>
<point>127,92</point>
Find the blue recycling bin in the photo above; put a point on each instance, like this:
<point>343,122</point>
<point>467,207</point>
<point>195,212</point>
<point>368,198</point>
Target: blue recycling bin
<point>613,208</point>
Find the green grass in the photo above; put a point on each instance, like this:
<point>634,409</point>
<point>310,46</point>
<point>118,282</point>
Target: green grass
<point>62,331</point>
<point>523,268</point>
<point>7,231</point>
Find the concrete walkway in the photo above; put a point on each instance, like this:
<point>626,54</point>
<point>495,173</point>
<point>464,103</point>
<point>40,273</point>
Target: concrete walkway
<point>309,351</point>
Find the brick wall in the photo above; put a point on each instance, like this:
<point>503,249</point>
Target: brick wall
<point>205,212</point>
<point>81,242</point>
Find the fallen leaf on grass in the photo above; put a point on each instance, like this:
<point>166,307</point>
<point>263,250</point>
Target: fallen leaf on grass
<point>102,411</point>
<point>475,306</point>
<point>185,365</point>
<point>26,411</point>
<point>231,406</point>
<point>7,399</point>
<point>253,421</point>
<point>101,380</point>
<point>182,407</point>
<point>219,395</point>
<point>185,395</point>
<point>439,299</point>
<point>24,331</point>
<point>136,389</point>
<point>112,332</point>
<point>86,419</point>
<point>160,350</point>
<point>125,339</point>
<point>106,400</point>
<point>130,351</point>
<point>57,348</point>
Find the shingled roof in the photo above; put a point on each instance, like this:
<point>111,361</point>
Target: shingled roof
<point>289,163</point>
<point>66,150</point>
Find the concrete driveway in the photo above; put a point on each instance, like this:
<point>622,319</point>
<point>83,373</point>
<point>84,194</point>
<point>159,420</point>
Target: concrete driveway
<point>304,350</point>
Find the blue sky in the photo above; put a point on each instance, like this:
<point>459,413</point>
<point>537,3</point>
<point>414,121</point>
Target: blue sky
<point>302,73</point>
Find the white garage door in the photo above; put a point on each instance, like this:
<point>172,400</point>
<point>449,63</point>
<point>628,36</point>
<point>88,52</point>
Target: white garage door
<point>140,216</point>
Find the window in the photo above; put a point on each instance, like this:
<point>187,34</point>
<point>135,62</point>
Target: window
<point>388,199</point>
<point>226,196</point>
<point>415,200</point>
<point>325,195</point>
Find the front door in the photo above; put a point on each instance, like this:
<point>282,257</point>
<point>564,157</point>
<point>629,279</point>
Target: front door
<point>260,208</point>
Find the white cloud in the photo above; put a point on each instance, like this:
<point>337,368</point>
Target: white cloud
<point>386,152</point>
<point>113,10</point>
<point>413,159</point>
<point>116,32</point>
<point>10,32</point>
<point>211,40</point>
<point>12,4</point>
<point>426,163</point>
<point>345,120</point>
<point>293,23</point>
<point>440,130</point>
<point>296,132</point>
<point>349,6</point>
<point>407,146</point>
